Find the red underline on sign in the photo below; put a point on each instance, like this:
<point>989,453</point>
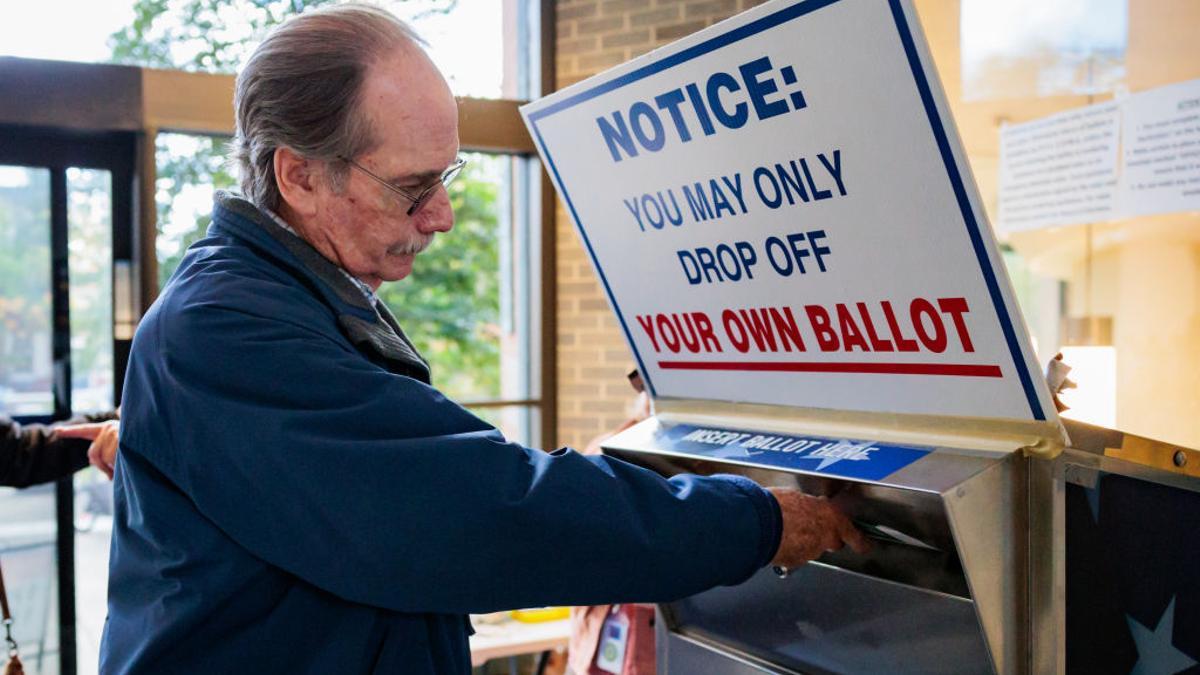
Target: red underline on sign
<point>950,369</point>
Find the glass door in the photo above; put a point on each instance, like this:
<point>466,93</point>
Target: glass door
<point>66,241</point>
<point>28,518</point>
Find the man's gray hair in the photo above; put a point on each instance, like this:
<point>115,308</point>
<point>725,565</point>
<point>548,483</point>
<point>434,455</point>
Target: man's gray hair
<point>301,89</point>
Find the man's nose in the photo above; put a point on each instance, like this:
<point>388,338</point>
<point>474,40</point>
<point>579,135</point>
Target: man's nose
<point>437,215</point>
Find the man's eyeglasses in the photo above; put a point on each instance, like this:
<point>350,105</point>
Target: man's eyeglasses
<point>421,197</point>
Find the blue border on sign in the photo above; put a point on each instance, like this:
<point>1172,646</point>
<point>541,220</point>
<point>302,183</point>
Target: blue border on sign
<point>935,123</point>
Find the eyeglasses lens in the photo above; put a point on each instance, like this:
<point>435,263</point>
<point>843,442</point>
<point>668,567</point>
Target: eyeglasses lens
<point>447,178</point>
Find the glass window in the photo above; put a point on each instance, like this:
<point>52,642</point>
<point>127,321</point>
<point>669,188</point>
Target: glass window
<point>468,305</point>
<point>501,61</point>
<point>26,358</point>
<point>447,27</point>
<point>89,255</point>
<point>189,169</point>
<point>450,304</point>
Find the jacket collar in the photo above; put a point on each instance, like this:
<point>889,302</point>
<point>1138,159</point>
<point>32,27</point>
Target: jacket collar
<point>372,328</point>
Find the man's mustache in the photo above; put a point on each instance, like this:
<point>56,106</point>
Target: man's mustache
<point>412,246</point>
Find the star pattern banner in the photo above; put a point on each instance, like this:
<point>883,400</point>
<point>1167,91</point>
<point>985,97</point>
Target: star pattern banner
<point>1133,578</point>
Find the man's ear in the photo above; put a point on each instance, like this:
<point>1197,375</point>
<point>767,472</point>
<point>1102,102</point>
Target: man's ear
<point>297,181</point>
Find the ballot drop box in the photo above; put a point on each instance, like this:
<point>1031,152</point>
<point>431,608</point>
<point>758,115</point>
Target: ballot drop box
<point>983,561</point>
<point>782,217</point>
<point>959,578</point>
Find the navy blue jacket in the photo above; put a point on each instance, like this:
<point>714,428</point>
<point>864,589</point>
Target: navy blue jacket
<point>294,497</point>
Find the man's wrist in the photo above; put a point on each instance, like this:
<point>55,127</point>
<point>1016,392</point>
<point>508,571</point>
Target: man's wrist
<point>770,518</point>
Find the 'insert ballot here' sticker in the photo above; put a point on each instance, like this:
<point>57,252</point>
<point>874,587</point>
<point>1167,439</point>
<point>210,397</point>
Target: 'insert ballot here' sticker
<point>865,460</point>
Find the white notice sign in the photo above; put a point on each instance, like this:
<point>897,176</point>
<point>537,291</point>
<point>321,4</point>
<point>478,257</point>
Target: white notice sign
<point>1060,170</point>
<point>1162,151</point>
<point>780,211</point>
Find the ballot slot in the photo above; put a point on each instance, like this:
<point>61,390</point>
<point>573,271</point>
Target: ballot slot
<point>909,532</point>
<point>910,535</point>
<point>934,592</point>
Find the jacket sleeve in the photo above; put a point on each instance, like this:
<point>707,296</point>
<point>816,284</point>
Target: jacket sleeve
<point>29,455</point>
<point>378,489</point>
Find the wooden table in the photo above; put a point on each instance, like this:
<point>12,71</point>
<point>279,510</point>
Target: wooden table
<point>510,638</point>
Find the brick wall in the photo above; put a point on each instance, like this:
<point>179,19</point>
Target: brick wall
<point>593,36</point>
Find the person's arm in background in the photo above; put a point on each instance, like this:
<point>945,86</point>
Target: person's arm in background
<point>102,453</point>
<point>35,453</point>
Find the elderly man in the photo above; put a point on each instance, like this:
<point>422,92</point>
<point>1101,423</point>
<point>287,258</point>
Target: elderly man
<point>293,495</point>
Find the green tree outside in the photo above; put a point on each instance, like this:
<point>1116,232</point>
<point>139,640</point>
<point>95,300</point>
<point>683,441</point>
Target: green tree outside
<point>25,305</point>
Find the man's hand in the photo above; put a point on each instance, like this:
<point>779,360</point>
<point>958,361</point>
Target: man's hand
<point>103,435</point>
<point>811,526</point>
